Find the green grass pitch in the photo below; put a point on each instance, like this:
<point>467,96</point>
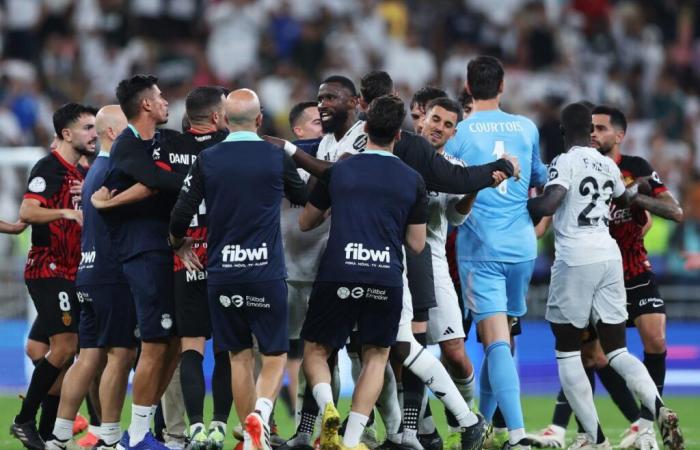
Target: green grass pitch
<point>538,411</point>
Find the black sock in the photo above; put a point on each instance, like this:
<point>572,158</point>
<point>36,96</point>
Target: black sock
<point>221,387</point>
<point>619,392</point>
<point>309,411</point>
<point>158,423</point>
<point>44,376</point>
<point>92,412</point>
<point>192,381</point>
<point>49,410</point>
<point>656,365</point>
<point>498,420</point>
<point>562,411</point>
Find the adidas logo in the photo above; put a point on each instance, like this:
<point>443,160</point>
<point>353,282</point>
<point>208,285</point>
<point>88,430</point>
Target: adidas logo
<point>449,330</point>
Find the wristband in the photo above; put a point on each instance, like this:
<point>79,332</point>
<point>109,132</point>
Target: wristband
<point>289,148</point>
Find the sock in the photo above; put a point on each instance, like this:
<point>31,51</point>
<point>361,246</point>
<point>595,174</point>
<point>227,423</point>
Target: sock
<point>562,411</point>
<point>309,412</point>
<point>487,401</point>
<point>63,429</point>
<point>221,387</point>
<point>579,395</point>
<point>353,430</point>
<point>156,413</point>
<point>466,387</point>
<point>388,403</point>
<point>619,392</point>
<point>45,374</point>
<point>656,366</point>
<point>94,430</point>
<point>49,409</point>
<point>516,435</point>
<point>590,373</point>
<point>322,394</point>
<point>140,422</point>
<point>505,384</point>
<point>426,424</point>
<point>192,381</point>
<point>429,369</point>
<point>637,378</point>
<point>92,412</point>
<point>264,406</point>
<point>110,433</point>
<point>413,389</point>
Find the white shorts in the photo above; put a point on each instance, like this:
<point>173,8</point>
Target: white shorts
<point>445,320</point>
<point>589,293</point>
<point>405,333</point>
<point>298,293</point>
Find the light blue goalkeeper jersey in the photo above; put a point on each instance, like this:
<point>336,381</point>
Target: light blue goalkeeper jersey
<point>499,227</point>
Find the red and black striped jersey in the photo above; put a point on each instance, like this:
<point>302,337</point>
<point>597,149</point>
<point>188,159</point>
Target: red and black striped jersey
<point>55,250</point>
<point>626,224</point>
<point>177,153</point>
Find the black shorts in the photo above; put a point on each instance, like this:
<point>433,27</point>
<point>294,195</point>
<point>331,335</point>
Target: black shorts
<point>643,297</point>
<point>150,278</point>
<point>240,311</point>
<point>56,305</point>
<point>419,270</point>
<point>335,308</point>
<point>37,333</point>
<point>466,314</point>
<point>191,304</point>
<point>107,316</point>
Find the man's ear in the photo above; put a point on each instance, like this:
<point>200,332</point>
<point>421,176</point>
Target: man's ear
<point>67,134</point>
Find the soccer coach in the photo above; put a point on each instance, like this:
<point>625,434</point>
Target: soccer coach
<point>242,181</point>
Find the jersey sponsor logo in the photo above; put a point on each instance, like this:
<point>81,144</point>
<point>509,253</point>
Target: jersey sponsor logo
<point>376,294</point>
<point>620,214</point>
<point>195,275</point>
<point>38,185</point>
<point>654,302</point>
<point>360,142</point>
<point>356,253</point>
<point>495,127</point>
<point>357,292</point>
<point>237,300</point>
<point>180,158</point>
<point>256,302</point>
<point>202,138</point>
<point>225,301</point>
<point>553,173</point>
<point>87,257</point>
<point>655,176</point>
<point>237,254</point>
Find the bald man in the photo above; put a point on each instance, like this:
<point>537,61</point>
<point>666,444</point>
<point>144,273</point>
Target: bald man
<point>107,318</point>
<point>242,181</point>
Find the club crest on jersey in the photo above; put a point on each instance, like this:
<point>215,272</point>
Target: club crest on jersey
<point>166,321</point>
<point>343,292</point>
<point>38,185</point>
<point>225,301</point>
<point>553,173</point>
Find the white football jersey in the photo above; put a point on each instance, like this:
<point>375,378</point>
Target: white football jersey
<point>581,234</point>
<point>353,142</point>
<point>441,213</point>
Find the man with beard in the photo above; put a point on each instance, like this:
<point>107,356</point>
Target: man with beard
<point>139,232</point>
<point>54,213</point>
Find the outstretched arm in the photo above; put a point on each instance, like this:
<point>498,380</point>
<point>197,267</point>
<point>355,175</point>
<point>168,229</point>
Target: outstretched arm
<point>663,205</point>
<point>103,199</point>
<point>547,203</point>
<point>12,228</point>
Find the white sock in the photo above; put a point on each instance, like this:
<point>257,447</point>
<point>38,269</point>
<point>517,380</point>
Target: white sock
<point>578,393</point>
<point>153,410</point>
<point>636,376</point>
<point>323,395</point>
<point>355,427</point>
<point>264,405</point>
<point>110,432</point>
<point>517,435</point>
<point>429,369</point>
<point>388,404</point>
<point>466,387</point>
<point>140,423</point>
<point>216,423</point>
<point>95,430</point>
<point>63,429</point>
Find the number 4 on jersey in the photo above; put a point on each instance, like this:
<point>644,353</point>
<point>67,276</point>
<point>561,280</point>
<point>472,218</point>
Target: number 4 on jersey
<point>499,149</point>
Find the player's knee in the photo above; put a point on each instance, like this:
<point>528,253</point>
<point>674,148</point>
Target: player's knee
<point>567,337</point>
<point>655,343</point>
<point>453,353</point>
<point>612,336</point>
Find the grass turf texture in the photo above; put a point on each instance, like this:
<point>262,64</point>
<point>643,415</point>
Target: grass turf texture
<point>538,413</point>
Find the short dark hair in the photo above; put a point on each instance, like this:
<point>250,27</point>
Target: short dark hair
<point>375,84</point>
<point>423,95</point>
<point>465,98</point>
<point>202,101</point>
<point>447,104</point>
<point>68,114</point>
<point>129,93</point>
<point>617,117</point>
<point>343,81</point>
<point>484,76</point>
<point>384,118</point>
<point>298,110</point>
<point>576,121</point>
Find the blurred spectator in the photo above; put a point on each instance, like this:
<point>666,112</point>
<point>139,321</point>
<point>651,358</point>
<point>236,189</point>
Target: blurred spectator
<point>684,245</point>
